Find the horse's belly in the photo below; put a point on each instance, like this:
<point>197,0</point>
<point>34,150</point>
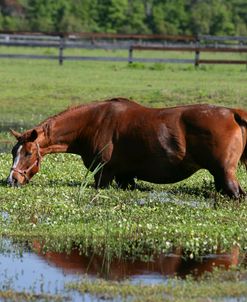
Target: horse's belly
<point>166,173</point>
<point>163,178</point>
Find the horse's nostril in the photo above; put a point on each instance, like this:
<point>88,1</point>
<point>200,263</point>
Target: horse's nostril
<point>13,182</point>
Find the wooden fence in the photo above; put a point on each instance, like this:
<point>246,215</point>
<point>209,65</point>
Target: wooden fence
<point>197,50</point>
<point>130,43</point>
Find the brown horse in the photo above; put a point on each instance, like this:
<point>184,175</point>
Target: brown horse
<point>132,141</point>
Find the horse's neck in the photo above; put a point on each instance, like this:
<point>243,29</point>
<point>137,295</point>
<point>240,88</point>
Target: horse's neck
<point>58,134</point>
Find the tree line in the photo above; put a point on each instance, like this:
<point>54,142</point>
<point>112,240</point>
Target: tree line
<point>214,17</point>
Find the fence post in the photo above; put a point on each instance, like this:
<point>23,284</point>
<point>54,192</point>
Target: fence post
<point>197,58</point>
<point>61,47</point>
<point>130,59</point>
<point>197,54</point>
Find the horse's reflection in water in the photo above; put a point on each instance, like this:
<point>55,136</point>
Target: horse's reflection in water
<point>174,264</point>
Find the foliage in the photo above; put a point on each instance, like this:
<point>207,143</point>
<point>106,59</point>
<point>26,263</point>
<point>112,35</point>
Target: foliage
<point>10,295</point>
<point>216,17</point>
<point>218,286</point>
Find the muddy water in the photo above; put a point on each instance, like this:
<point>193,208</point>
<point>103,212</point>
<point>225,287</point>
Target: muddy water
<point>25,270</point>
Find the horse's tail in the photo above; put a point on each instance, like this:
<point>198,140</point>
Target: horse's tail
<point>241,118</point>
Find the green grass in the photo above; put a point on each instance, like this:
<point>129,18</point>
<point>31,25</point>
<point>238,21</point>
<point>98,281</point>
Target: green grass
<point>161,217</point>
<point>32,90</point>
<point>120,223</point>
<point>13,296</point>
<point>57,209</point>
<point>217,286</point>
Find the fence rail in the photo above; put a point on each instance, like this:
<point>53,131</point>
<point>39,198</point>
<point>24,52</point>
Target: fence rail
<point>131,43</point>
<point>197,50</point>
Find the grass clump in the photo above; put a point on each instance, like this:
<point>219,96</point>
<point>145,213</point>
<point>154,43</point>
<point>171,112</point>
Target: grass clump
<point>14,296</point>
<point>214,286</point>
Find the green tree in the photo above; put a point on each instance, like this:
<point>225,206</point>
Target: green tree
<point>212,17</point>
<point>239,9</point>
<point>136,18</point>
<point>86,13</point>
<point>169,17</point>
<point>216,17</point>
<point>200,18</point>
<point>112,15</point>
<point>1,21</point>
<point>222,23</point>
<point>40,15</point>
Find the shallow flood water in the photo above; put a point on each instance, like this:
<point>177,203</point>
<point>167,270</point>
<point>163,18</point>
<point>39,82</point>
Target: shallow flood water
<point>48,273</point>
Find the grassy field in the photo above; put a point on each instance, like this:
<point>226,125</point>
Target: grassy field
<point>58,209</point>
<point>34,90</point>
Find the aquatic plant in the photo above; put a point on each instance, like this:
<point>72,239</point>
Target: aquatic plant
<point>217,286</point>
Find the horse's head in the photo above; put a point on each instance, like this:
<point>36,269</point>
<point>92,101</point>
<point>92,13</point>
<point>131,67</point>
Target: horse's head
<point>26,158</point>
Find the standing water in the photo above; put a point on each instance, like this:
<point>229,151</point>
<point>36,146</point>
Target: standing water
<point>34,272</point>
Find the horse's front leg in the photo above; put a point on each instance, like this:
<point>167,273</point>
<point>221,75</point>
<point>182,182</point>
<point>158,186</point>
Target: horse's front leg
<point>103,178</point>
<point>125,182</point>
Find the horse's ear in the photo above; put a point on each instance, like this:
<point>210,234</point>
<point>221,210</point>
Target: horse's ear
<point>16,134</point>
<point>33,136</point>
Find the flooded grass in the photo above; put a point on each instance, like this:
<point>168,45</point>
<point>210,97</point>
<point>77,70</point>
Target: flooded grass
<point>28,274</point>
<point>155,219</point>
<point>10,295</point>
<point>64,214</point>
<point>209,288</point>
<point>136,231</point>
<point>179,291</point>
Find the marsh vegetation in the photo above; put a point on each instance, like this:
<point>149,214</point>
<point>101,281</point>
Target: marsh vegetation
<point>60,207</point>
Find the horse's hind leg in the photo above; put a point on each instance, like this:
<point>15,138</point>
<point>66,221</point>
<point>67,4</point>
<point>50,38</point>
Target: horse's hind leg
<point>227,183</point>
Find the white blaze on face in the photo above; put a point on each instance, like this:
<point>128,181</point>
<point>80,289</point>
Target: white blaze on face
<point>16,161</point>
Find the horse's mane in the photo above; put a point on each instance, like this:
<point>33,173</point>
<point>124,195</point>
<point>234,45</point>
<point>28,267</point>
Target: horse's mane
<point>77,107</point>
<point>57,115</point>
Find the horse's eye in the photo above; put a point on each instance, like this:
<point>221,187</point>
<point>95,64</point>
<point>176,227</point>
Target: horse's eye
<point>28,153</point>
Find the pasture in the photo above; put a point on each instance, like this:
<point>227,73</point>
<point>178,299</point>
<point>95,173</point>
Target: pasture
<point>61,209</point>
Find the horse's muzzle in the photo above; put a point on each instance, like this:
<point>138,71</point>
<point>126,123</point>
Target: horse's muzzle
<point>13,182</point>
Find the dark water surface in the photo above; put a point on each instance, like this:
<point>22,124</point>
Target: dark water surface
<point>25,270</point>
